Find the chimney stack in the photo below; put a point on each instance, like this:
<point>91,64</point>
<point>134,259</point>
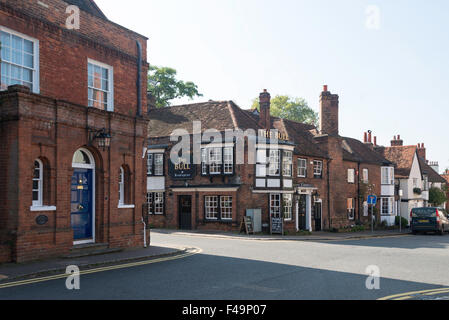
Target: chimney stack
<point>422,151</point>
<point>397,142</point>
<point>264,116</point>
<point>328,112</point>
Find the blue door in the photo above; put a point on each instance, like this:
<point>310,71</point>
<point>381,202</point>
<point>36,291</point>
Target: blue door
<point>81,204</point>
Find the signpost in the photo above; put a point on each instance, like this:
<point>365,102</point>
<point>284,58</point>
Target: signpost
<point>277,226</point>
<point>372,200</point>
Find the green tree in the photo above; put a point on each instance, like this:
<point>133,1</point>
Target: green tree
<point>164,86</point>
<point>295,109</point>
<point>437,196</point>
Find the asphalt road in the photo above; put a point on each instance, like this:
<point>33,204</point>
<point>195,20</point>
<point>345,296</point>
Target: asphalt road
<point>254,270</point>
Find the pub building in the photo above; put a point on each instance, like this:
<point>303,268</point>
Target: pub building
<point>73,128</point>
<point>287,181</point>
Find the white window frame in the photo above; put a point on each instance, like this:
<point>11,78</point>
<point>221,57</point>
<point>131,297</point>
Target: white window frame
<point>156,203</point>
<point>302,168</point>
<point>287,163</point>
<point>274,162</point>
<point>351,175</point>
<point>275,205</point>
<point>351,210</point>
<point>317,169</point>
<point>387,175</point>
<point>226,207</point>
<point>158,169</point>
<point>36,79</point>
<point>211,207</point>
<point>228,160</point>
<point>40,184</point>
<point>365,175</point>
<point>121,187</point>
<point>389,201</point>
<point>110,105</point>
<point>150,160</point>
<point>287,206</point>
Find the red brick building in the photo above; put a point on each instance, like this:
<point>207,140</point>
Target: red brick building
<point>310,179</point>
<point>65,94</point>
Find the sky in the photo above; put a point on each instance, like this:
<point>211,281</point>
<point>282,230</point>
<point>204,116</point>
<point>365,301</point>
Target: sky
<point>386,59</point>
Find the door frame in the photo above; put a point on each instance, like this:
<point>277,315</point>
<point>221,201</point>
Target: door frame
<point>180,208</point>
<point>320,202</point>
<point>91,167</point>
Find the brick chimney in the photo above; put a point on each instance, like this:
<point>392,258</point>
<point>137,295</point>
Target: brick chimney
<point>422,151</point>
<point>264,116</point>
<point>328,113</point>
<point>397,141</point>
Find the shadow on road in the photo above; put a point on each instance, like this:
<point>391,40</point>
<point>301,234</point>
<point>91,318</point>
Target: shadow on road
<point>210,277</point>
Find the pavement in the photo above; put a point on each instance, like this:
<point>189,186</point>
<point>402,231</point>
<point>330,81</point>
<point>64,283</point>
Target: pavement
<point>13,271</point>
<point>316,236</point>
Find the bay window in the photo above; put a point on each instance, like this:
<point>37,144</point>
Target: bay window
<point>274,162</point>
<point>287,163</point>
<point>387,175</point>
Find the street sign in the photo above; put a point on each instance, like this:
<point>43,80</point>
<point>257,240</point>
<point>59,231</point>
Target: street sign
<point>372,200</point>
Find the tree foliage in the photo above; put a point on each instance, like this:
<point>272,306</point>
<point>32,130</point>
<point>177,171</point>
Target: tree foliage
<point>295,109</point>
<point>164,86</point>
<point>437,196</point>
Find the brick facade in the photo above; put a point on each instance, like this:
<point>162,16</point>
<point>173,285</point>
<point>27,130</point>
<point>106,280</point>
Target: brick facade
<point>52,124</point>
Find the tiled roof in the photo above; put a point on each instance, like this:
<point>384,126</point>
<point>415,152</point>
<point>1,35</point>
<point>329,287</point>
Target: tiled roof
<point>401,156</point>
<point>89,6</point>
<point>219,115</point>
<point>355,150</point>
<point>432,174</point>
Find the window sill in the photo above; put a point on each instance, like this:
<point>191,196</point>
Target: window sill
<point>126,206</point>
<point>42,208</point>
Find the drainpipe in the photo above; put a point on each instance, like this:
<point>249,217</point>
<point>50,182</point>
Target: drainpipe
<point>329,194</point>
<point>144,233</point>
<point>139,82</point>
<point>358,191</point>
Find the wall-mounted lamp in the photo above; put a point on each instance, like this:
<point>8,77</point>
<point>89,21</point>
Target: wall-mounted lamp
<point>103,138</point>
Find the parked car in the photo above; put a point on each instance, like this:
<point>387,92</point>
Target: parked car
<point>429,220</point>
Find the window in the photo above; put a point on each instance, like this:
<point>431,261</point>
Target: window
<point>387,206</point>
<point>121,186</point>
<point>425,183</point>
<point>365,176</point>
<point>226,207</point>
<point>155,202</point>
<point>100,85</point>
<point>37,183</point>
<point>351,210</point>
<point>211,205</point>
<point>274,162</point>
<point>287,206</point>
<point>228,158</point>
<point>302,168</point>
<point>287,163</point>
<point>317,169</point>
<point>217,160</point>
<point>387,175</point>
<point>351,176</point>
<point>155,164</point>
<point>275,205</point>
<point>19,60</point>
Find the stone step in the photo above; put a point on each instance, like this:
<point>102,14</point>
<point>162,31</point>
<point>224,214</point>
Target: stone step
<point>89,247</point>
<point>88,253</point>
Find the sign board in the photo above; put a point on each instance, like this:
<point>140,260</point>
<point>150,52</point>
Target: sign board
<point>247,225</point>
<point>277,225</point>
<point>372,200</point>
<point>181,169</point>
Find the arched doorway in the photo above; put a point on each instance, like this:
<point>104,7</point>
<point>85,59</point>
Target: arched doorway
<point>82,202</point>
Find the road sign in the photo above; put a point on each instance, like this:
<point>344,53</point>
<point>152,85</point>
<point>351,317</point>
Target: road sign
<point>372,200</point>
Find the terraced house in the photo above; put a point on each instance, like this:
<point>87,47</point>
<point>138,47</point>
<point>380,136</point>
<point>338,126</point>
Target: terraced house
<point>72,130</point>
<point>310,179</point>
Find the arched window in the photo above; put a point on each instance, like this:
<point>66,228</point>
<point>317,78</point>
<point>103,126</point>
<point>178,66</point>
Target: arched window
<point>121,187</point>
<point>38,179</point>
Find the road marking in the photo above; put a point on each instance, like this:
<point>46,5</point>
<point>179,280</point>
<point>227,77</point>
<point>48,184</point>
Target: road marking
<point>413,294</point>
<point>190,252</point>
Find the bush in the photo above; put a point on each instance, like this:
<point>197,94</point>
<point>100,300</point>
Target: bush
<point>403,220</point>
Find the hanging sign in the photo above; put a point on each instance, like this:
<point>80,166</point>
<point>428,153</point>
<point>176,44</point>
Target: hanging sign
<point>181,169</point>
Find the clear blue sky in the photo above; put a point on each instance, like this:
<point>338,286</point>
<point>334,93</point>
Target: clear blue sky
<point>391,80</point>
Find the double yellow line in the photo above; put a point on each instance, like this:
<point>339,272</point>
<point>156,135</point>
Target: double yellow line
<point>189,252</point>
<point>414,294</point>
